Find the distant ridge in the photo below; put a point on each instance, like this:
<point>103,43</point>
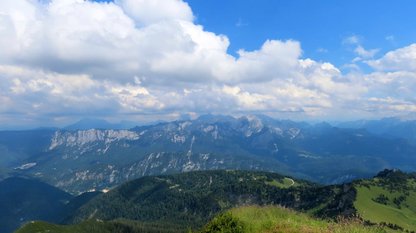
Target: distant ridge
<point>387,127</point>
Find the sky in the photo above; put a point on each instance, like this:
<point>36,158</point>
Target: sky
<point>148,60</point>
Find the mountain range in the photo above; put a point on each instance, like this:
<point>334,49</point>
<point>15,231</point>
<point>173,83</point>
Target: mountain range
<point>386,127</point>
<point>82,160</point>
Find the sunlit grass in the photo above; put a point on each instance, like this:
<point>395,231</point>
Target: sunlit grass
<point>272,219</point>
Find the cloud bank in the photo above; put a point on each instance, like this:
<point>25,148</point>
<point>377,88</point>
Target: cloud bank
<point>146,59</point>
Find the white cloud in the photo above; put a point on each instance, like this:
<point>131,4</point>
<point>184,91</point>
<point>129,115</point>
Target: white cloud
<point>354,39</point>
<point>391,105</point>
<point>364,53</point>
<point>146,12</point>
<point>148,58</point>
<point>403,59</point>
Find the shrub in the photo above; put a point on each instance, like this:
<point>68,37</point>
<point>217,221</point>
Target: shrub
<point>224,223</point>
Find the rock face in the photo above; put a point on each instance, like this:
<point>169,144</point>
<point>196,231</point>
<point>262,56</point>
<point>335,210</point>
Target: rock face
<point>83,137</point>
<point>83,160</point>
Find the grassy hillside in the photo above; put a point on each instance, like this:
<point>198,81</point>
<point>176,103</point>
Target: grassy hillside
<point>389,198</point>
<point>254,219</point>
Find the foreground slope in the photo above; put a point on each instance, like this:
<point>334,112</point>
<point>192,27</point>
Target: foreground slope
<point>248,219</point>
<point>254,219</point>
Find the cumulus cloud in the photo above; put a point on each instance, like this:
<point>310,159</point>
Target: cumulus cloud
<point>133,58</point>
<point>146,12</point>
<point>403,59</point>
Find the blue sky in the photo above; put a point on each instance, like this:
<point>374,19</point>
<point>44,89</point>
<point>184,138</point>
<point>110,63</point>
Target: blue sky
<point>321,26</point>
<point>145,60</point>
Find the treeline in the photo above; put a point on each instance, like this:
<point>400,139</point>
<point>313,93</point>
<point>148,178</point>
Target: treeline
<point>192,199</point>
